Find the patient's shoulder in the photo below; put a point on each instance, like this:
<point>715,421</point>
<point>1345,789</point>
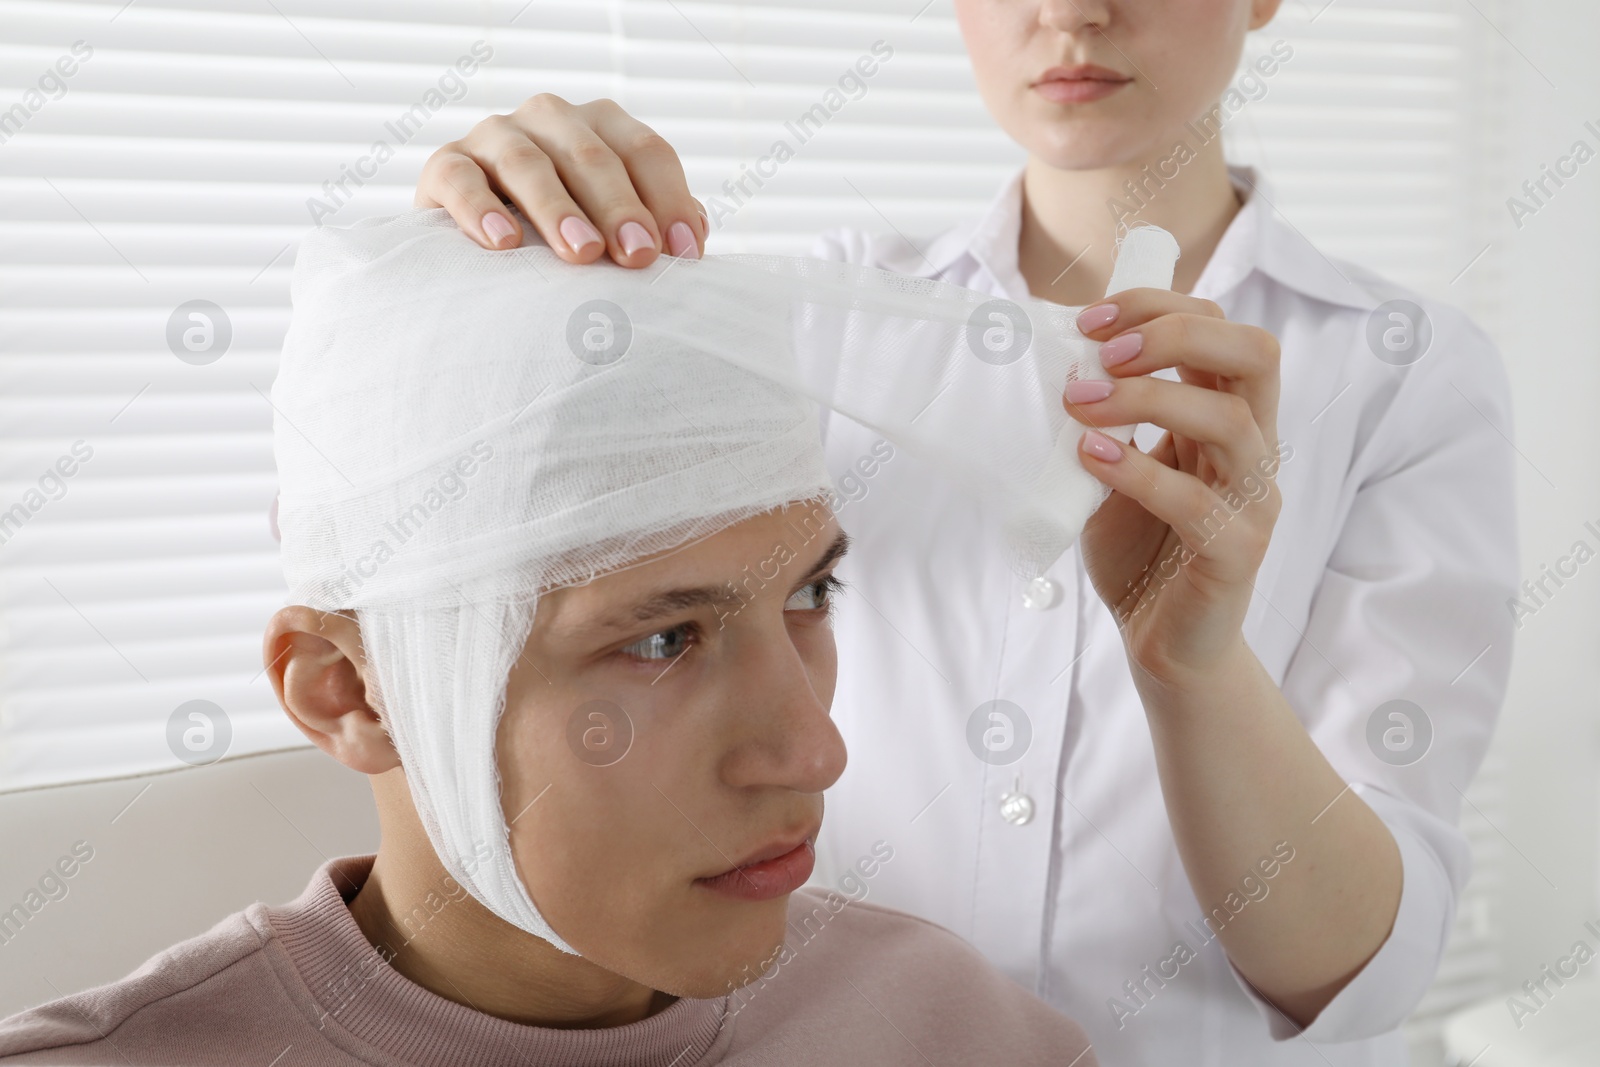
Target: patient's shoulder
<point>874,980</point>
<point>78,1028</point>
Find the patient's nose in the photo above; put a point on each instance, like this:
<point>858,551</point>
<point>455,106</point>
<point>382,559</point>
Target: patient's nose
<point>785,736</point>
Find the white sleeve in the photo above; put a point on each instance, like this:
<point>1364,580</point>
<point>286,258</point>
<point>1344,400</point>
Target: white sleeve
<point>1415,604</point>
<point>1435,863</point>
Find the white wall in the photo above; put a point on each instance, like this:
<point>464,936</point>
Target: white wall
<point>1549,329</point>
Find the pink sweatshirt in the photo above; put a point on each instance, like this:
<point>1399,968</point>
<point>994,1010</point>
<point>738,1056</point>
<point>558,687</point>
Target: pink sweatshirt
<point>300,984</point>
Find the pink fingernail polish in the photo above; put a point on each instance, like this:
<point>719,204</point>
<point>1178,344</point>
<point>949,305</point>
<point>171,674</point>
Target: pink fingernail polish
<point>497,228</point>
<point>1100,446</point>
<point>1087,390</point>
<point>1098,317</point>
<point>578,233</point>
<point>634,237</point>
<point>1121,349</point>
<point>680,240</point>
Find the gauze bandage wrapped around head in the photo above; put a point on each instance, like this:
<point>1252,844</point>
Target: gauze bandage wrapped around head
<point>458,430</point>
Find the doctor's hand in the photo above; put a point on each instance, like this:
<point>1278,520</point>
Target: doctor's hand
<point>591,178</point>
<point>1175,549</point>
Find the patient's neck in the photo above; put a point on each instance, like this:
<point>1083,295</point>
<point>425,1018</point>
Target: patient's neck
<point>436,935</point>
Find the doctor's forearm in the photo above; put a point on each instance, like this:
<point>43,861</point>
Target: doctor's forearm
<point>1240,775</point>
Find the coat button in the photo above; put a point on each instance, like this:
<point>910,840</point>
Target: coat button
<point>1016,809</point>
<point>1041,594</point>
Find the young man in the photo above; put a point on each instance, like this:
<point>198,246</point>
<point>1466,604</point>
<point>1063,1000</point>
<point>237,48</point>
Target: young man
<point>524,606</point>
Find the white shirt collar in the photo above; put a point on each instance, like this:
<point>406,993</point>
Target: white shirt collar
<point>1258,239</point>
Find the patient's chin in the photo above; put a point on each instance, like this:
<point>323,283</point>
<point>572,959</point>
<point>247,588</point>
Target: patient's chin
<point>732,956</point>
<point>730,977</point>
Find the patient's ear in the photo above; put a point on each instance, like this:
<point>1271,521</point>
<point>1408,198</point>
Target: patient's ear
<point>315,661</point>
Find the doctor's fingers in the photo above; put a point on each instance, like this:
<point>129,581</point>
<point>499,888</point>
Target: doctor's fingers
<point>1221,424</point>
<point>591,178</point>
<point>1194,510</point>
<point>1155,328</point>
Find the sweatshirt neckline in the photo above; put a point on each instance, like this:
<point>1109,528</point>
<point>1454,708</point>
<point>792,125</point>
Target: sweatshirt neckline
<point>355,990</point>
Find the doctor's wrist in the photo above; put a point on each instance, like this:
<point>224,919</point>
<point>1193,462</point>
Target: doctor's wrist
<point>1172,687</point>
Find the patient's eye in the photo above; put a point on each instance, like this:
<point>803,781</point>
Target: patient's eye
<point>816,596</point>
<point>665,645</point>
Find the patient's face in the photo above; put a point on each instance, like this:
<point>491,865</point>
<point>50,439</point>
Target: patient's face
<point>667,726</point>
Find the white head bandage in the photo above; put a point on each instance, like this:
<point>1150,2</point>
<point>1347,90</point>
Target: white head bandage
<point>458,430</point>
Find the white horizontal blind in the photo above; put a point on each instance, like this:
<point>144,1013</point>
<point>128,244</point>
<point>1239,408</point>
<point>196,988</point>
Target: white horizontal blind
<point>1375,134</point>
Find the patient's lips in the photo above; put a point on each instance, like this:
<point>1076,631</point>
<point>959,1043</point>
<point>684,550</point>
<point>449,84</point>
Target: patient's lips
<point>768,876</point>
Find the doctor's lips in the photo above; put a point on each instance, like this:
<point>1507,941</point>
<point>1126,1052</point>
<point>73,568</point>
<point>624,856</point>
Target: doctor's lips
<point>771,871</point>
<point>1081,84</point>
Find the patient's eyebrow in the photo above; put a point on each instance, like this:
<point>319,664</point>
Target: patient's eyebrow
<point>835,552</point>
<point>671,601</point>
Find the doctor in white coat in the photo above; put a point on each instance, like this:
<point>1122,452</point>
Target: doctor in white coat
<point>1199,787</point>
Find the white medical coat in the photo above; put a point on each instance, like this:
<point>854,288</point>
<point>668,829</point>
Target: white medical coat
<point>1387,578</point>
